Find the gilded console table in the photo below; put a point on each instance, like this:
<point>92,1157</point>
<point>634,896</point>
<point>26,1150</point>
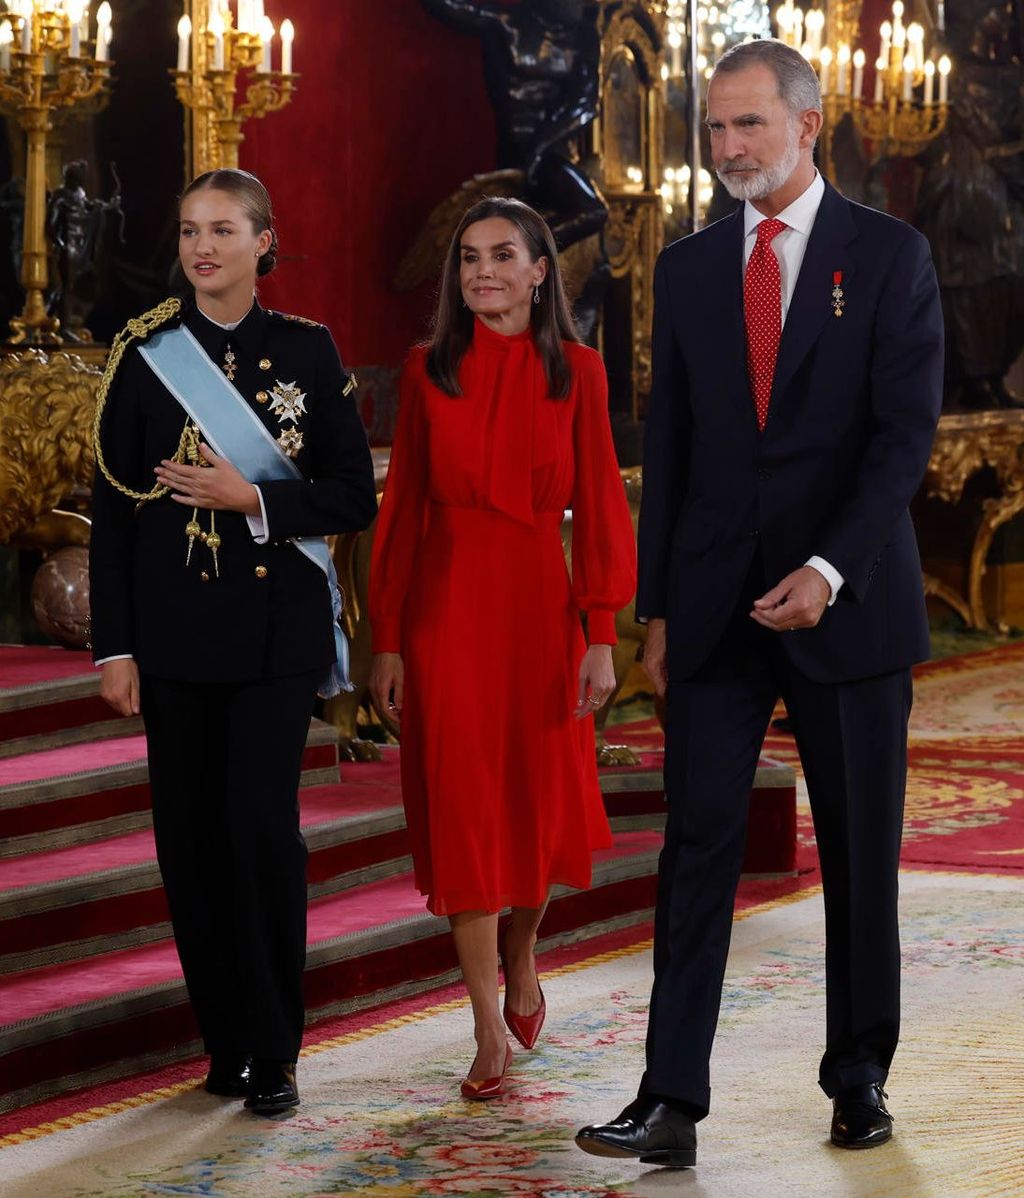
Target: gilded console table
<point>965,443</point>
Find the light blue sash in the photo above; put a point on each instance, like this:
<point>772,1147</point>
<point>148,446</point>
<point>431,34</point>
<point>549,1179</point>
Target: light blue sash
<point>234,431</point>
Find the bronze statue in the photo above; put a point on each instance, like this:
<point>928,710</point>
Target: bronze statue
<point>75,226</point>
<point>971,203</point>
<point>541,62</point>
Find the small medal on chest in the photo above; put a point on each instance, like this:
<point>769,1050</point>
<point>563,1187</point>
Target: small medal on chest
<point>288,403</point>
<point>230,366</point>
<point>838,302</point>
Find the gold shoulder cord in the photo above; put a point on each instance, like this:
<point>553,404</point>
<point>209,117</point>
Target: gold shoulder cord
<point>137,329</point>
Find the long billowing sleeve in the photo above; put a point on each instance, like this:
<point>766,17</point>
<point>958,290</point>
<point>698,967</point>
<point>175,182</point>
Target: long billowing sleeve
<point>603,543</point>
<point>402,514</point>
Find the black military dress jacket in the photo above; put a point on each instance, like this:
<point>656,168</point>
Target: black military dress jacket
<point>265,611</point>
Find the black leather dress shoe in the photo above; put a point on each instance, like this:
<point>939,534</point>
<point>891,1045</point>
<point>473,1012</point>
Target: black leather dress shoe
<point>647,1129</point>
<point>860,1118</point>
<point>228,1076</point>
<point>272,1087</point>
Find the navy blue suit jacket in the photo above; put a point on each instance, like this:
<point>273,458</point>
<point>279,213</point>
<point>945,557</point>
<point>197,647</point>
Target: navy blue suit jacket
<point>855,402</point>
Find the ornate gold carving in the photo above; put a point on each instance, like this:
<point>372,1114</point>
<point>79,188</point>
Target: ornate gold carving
<point>46,409</point>
<point>965,443</point>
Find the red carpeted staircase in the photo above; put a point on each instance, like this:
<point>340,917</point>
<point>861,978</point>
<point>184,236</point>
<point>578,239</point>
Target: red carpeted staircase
<point>90,986</point>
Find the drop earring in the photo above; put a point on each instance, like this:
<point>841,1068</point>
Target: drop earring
<point>536,294</point>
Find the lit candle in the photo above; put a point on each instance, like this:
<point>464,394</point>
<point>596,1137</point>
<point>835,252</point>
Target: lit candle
<point>886,31</point>
<point>798,26</point>
<point>908,77</point>
<point>184,41</point>
<point>929,82</point>
<point>26,27</point>
<point>259,16</point>
<point>266,38</point>
<point>842,63</point>
<point>944,69</point>
<point>825,58</point>
<point>102,31</point>
<point>940,17</point>
<point>819,27</point>
<point>881,66</point>
<point>858,74</point>
<point>6,39</point>
<point>899,34</point>
<point>287,37</point>
<point>784,20</point>
<point>216,27</point>
<point>675,41</point>
<point>244,16</point>
<point>75,10</point>
<point>915,44</point>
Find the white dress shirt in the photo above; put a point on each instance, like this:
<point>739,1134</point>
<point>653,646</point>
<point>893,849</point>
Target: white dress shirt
<point>790,246</point>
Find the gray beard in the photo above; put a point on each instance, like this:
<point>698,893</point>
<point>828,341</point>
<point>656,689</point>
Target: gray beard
<point>757,184</point>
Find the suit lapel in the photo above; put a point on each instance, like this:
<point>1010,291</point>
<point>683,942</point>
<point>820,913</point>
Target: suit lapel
<point>811,307</point>
<point>723,304</point>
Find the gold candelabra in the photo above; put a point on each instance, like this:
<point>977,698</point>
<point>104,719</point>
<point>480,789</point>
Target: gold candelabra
<point>43,68</point>
<point>909,104</point>
<point>213,51</point>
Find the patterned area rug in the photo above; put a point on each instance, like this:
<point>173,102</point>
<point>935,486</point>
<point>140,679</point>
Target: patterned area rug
<point>381,1116</point>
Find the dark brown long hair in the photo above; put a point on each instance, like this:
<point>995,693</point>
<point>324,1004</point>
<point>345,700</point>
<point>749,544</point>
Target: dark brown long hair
<point>551,318</point>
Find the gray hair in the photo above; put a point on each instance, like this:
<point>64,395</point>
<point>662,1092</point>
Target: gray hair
<point>798,84</point>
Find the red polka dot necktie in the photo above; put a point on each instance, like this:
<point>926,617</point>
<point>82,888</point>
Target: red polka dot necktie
<point>762,306</point>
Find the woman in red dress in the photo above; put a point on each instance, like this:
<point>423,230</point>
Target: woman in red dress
<point>478,642</point>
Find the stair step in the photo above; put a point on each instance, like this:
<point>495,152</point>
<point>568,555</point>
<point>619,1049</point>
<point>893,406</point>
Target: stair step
<point>46,803</point>
<point>97,898</point>
<point>85,1021</point>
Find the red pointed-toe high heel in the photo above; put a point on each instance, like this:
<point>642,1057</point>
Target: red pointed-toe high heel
<point>526,1028</point>
<point>490,1087</point>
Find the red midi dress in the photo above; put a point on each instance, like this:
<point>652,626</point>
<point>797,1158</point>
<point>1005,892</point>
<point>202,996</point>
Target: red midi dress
<point>469,583</point>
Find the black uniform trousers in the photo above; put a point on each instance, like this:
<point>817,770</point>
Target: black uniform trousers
<point>852,740</point>
<point>224,766</point>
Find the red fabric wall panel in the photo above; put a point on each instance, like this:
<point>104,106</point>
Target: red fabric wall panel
<point>390,116</point>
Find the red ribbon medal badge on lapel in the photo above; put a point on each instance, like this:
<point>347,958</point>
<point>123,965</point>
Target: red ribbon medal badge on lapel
<point>837,293</point>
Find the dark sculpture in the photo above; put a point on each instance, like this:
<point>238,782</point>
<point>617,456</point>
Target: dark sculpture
<point>541,64</point>
<point>75,224</point>
<point>971,203</point>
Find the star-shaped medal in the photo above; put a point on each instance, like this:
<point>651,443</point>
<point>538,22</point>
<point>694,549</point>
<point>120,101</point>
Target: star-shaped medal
<point>290,441</point>
<point>286,401</point>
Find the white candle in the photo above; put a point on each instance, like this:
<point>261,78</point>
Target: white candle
<point>6,39</point>
<point>929,82</point>
<point>858,74</point>
<point>258,14</point>
<point>216,27</point>
<point>899,34</point>
<point>184,41</point>
<point>798,26</point>
<point>26,28</point>
<point>944,69</point>
<point>825,58</point>
<point>75,10</point>
<point>908,77</point>
<point>881,66</point>
<point>266,40</point>
<point>784,20</point>
<point>244,15</point>
<point>886,31</point>
<point>843,62</point>
<point>287,37</point>
<point>940,17</point>
<point>102,31</point>
<point>915,44</point>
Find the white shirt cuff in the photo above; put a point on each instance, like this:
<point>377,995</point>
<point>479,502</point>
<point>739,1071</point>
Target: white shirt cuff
<point>258,524</point>
<point>830,574</point>
<point>113,657</point>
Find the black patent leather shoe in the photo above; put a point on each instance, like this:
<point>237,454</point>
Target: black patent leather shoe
<point>228,1076</point>
<point>647,1129</point>
<point>860,1118</point>
<point>272,1087</point>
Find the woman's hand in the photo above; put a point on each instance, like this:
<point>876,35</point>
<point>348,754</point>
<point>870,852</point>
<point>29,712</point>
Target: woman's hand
<point>217,485</point>
<point>387,684</point>
<point>119,685</point>
<point>597,680</point>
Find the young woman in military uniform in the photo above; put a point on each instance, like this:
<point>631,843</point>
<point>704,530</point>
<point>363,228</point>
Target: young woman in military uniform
<point>228,444</point>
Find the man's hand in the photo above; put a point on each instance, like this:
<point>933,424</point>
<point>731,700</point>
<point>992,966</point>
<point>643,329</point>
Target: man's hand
<point>597,676</point>
<point>654,656</point>
<point>217,485</point>
<point>119,685</point>
<point>797,602</point>
<point>387,684</point>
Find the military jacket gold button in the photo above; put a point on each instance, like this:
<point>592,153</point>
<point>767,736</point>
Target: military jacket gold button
<point>204,576</point>
<point>261,397</point>
<point>265,363</point>
<point>261,571</point>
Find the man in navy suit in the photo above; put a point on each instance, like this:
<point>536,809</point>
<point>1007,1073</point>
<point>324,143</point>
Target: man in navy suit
<point>797,385</point>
